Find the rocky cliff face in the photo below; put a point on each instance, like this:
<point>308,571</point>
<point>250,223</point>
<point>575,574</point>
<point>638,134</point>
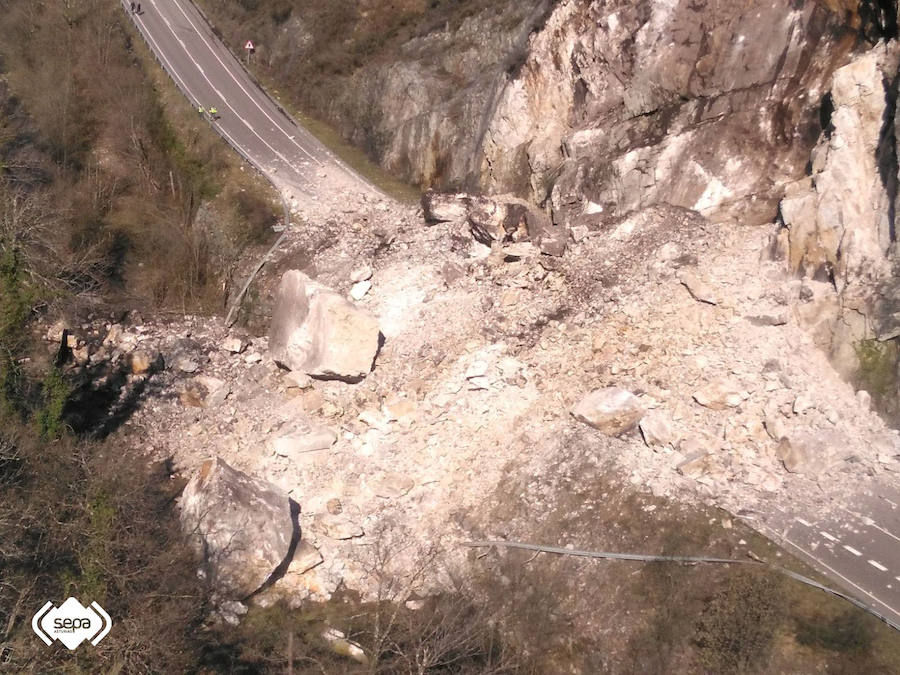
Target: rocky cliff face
<point>780,114</point>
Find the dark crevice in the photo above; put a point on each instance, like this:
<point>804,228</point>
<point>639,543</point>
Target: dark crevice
<point>826,110</point>
<point>878,19</point>
<point>886,153</point>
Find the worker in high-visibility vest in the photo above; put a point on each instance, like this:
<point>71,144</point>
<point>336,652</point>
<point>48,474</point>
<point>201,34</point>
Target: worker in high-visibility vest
<point>214,112</point>
<point>200,110</point>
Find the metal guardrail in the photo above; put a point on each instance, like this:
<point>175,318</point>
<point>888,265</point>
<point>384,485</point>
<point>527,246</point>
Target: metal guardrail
<point>643,557</point>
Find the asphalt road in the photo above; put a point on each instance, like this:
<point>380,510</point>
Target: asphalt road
<point>856,543</point>
<point>210,76</point>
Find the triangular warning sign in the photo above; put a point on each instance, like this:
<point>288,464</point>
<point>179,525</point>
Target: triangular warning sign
<point>249,45</point>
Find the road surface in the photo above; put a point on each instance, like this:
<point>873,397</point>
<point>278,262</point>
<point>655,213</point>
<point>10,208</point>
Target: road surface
<point>210,76</point>
<point>855,542</point>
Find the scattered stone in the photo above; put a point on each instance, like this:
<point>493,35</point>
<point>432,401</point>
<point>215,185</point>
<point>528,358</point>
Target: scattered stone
<point>235,345</point>
<point>359,290</point>
<point>334,506</point>
<point>317,331</point>
<point>802,403</point>
<point>813,451</point>
<point>656,429</point>
<point>337,526</point>
<point>362,273</point>
<point>140,362</point>
<point>297,380</point>
<point>553,241</point>
<point>441,208</point>
<point>341,646</point>
<point>306,557</point>
<point>187,365</point>
<point>253,357</point>
<point>308,438</point>
<point>114,335</point>
<point>698,288</point>
<point>864,398</point>
<point>82,354</point>
<point>450,272</point>
<point>203,391</point>
<point>55,332</point>
<point>394,485</point>
<point>612,410</point>
<point>720,394</point>
<point>778,317</point>
<point>230,611</point>
<point>242,526</point>
<point>695,465</point>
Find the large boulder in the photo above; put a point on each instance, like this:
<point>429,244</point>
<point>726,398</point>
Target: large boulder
<point>319,332</point>
<point>244,527</point>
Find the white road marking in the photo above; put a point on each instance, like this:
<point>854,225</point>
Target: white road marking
<point>247,124</point>
<point>185,87</point>
<point>852,550</point>
<point>836,573</point>
<point>828,536</point>
<point>237,82</point>
<point>878,566</point>
<point>871,523</point>
<point>803,522</point>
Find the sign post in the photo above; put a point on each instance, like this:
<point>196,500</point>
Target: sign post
<point>250,49</point>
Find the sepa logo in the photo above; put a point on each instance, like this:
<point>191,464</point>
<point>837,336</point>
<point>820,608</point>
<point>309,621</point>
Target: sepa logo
<point>71,623</point>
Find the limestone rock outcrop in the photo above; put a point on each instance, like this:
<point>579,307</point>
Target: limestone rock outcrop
<point>244,527</point>
<point>317,331</point>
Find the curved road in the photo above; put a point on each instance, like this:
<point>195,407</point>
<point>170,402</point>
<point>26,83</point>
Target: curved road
<point>856,545</point>
<point>210,76</point>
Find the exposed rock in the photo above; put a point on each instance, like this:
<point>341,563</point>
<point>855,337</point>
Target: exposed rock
<point>243,526</point>
<point>230,611</point>
<point>308,438</point>
<point>235,345</point>
<point>813,451</point>
<point>337,526</point>
<point>656,428</point>
<point>317,331</point>
<point>611,410</point>
<point>487,219</point>
<point>393,485</point>
<point>141,362</point>
<point>362,273</point>
<point>358,290</point>
<point>439,208</point>
<point>202,391</point>
<point>695,465</point>
<point>341,646</point>
<point>720,394</point>
<point>114,335</point>
<point>305,558</point>
<point>698,288</point>
<point>187,365</point>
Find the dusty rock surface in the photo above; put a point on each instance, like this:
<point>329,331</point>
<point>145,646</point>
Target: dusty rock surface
<point>485,354</point>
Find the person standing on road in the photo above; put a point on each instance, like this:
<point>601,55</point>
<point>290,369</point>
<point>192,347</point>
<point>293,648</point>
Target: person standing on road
<point>132,8</point>
<point>139,8</point>
<point>200,110</point>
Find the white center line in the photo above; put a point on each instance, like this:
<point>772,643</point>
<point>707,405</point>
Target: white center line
<point>852,550</point>
<point>803,522</point>
<point>877,565</point>
<point>827,536</point>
